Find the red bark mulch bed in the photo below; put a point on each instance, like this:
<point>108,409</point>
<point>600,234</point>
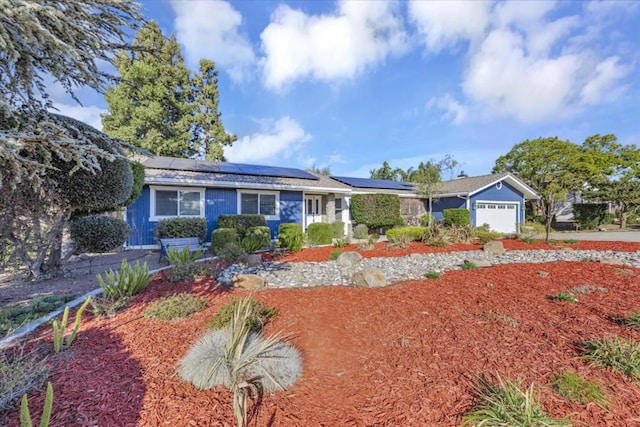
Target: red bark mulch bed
<point>402,355</point>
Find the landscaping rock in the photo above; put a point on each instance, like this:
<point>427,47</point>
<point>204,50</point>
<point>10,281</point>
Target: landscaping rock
<point>479,262</point>
<point>494,247</point>
<point>543,274</point>
<point>250,260</point>
<point>369,278</point>
<point>349,259</point>
<point>611,261</point>
<point>249,282</point>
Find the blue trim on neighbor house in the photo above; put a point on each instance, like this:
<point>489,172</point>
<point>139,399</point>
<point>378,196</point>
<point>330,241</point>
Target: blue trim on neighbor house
<point>218,201</point>
<point>506,193</point>
<point>440,204</point>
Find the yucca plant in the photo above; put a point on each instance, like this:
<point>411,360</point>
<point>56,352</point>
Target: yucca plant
<point>504,403</point>
<point>127,282</point>
<point>184,256</point>
<point>243,361</point>
<point>59,328</point>
<point>25,415</point>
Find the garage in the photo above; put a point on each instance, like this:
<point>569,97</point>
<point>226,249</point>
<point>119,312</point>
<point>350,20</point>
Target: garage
<point>501,217</point>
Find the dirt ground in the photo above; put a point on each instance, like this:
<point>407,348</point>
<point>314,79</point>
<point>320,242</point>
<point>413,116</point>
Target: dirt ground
<point>404,355</point>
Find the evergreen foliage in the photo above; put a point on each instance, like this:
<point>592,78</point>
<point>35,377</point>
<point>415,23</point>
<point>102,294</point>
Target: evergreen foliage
<point>590,215</point>
<point>290,236</point>
<point>457,217</point>
<point>413,233</point>
<point>256,238</point>
<point>241,223</point>
<point>220,237</point>
<point>376,210</point>
<point>160,106</point>
<point>138,182</point>
<point>98,233</point>
<point>337,228</point>
<point>182,227</point>
<point>319,233</point>
<point>361,231</point>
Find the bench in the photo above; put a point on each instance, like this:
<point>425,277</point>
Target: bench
<point>179,243</point>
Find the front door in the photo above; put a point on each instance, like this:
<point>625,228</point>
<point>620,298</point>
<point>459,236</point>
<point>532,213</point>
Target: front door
<point>313,210</point>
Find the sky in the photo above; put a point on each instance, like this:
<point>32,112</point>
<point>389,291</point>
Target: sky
<point>350,84</point>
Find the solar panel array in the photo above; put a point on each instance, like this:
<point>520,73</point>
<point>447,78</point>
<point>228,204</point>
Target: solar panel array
<point>226,168</point>
<point>384,184</point>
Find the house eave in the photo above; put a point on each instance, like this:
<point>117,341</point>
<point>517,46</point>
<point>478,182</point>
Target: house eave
<point>245,185</point>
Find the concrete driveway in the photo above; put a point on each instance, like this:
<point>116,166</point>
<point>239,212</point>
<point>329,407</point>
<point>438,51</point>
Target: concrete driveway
<point>609,236</point>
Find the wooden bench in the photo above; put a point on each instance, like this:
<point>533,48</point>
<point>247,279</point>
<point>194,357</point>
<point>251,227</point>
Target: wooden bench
<point>179,243</point>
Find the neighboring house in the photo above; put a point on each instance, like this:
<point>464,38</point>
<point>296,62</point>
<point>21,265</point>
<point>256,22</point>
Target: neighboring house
<point>497,199</point>
<point>203,189</point>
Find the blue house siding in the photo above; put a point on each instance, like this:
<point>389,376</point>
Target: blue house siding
<point>291,203</point>
<point>504,194</point>
<point>219,201</point>
<point>445,203</point>
<point>138,214</point>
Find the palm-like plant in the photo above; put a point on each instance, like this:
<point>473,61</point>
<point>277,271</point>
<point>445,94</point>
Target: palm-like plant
<point>243,361</point>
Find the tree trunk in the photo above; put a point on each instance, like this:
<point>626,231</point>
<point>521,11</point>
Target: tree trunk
<point>549,220</point>
<point>430,214</point>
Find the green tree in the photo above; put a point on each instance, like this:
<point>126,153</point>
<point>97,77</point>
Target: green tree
<point>39,151</point>
<point>428,179</point>
<point>551,166</point>
<point>386,172</point>
<point>612,173</point>
<point>160,106</point>
<point>326,170</point>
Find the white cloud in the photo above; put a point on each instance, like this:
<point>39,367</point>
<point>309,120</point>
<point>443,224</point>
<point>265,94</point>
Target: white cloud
<point>445,23</point>
<point>333,47</point>
<point>210,29</point>
<point>603,85</point>
<point>277,141</point>
<point>451,108</point>
<point>89,114</point>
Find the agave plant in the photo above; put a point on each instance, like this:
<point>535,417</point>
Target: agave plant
<point>243,361</point>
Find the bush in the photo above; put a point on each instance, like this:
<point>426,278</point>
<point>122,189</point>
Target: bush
<point>176,307</point>
<point>231,252</point>
<point>619,354</point>
<point>319,233</point>
<point>259,315</point>
<point>98,233</point>
<point>14,316</point>
<point>632,219</point>
<point>458,217</point>
<point>220,237</point>
<point>414,233</point>
<point>290,236</point>
<point>532,229</point>
<point>361,231</point>
<point>184,272</point>
<point>138,182</point>
<point>484,235</point>
<point>590,215</point>
<point>256,238</point>
<point>241,223</point>
<point>182,227</point>
<point>127,282</point>
<point>334,255</point>
<point>424,220</point>
<point>376,210</point>
<point>337,228</point>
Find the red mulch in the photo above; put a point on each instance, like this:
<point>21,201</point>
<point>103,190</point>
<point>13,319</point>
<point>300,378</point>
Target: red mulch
<point>402,355</point>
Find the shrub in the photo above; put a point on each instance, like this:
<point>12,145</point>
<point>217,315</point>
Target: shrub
<point>19,374</point>
<point>231,252</point>
<point>632,219</point>
<point>256,238</point>
<point>590,215</point>
<point>241,223</point>
<point>337,228</point>
<point>98,233</point>
<point>108,305</point>
<point>458,217</point>
<point>319,233</point>
<point>14,316</point>
<point>127,282</point>
<point>334,255</point>
<point>290,236</point>
<point>176,307</point>
<point>182,227</point>
<point>503,403</point>
<point>340,243</point>
<point>220,237</point>
<point>413,233</point>
<point>376,210</point>
<point>563,296</point>
<point>183,256</point>
<point>361,231</point>
<point>184,272</point>
<point>432,275</point>
<point>619,354</point>
<point>258,315</point>
<point>424,220</point>
<point>370,244</point>
<point>485,236</point>
<point>138,183</point>
<point>580,390</point>
<point>468,265</point>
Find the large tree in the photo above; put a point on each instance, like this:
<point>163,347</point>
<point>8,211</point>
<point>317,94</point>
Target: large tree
<point>612,173</point>
<point>551,166</point>
<point>387,172</point>
<point>160,106</point>
<point>63,41</point>
<point>428,179</point>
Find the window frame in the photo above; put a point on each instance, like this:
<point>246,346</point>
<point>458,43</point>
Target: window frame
<point>153,217</point>
<point>275,217</point>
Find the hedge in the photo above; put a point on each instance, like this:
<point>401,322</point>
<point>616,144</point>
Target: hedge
<point>221,237</point>
<point>320,233</point>
<point>182,227</point>
<point>458,217</point>
<point>98,233</point>
<point>338,229</point>
<point>256,238</point>
<point>241,223</point>
<point>414,232</point>
<point>590,215</point>
<point>290,236</point>
<point>376,210</point>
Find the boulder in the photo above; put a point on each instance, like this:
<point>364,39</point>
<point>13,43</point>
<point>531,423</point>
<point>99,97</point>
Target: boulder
<point>249,282</point>
<point>369,278</point>
<point>494,247</point>
<point>250,260</point>
<point>349,258</point>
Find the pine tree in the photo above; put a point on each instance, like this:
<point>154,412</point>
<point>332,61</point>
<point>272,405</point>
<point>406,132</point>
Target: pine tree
<point>160,107</point>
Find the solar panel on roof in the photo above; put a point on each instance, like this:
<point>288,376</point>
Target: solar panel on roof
<point>384,184</point>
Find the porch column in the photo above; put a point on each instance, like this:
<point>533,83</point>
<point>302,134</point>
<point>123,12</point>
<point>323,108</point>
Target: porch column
<point>330,207</point>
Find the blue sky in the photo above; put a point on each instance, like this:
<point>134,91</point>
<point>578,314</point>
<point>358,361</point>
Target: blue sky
<point>350,84</point>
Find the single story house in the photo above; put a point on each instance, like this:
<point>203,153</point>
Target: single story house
<point>197,188</point>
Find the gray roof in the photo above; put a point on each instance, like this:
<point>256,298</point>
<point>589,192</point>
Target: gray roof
<point>473,184</point>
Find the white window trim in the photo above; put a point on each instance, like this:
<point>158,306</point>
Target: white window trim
<point>152,212</point>
<point>275,217</point>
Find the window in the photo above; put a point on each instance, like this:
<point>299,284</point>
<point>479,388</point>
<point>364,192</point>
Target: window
<point>259,203</point>
<point>338,206</point>
<point>167,202</point>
